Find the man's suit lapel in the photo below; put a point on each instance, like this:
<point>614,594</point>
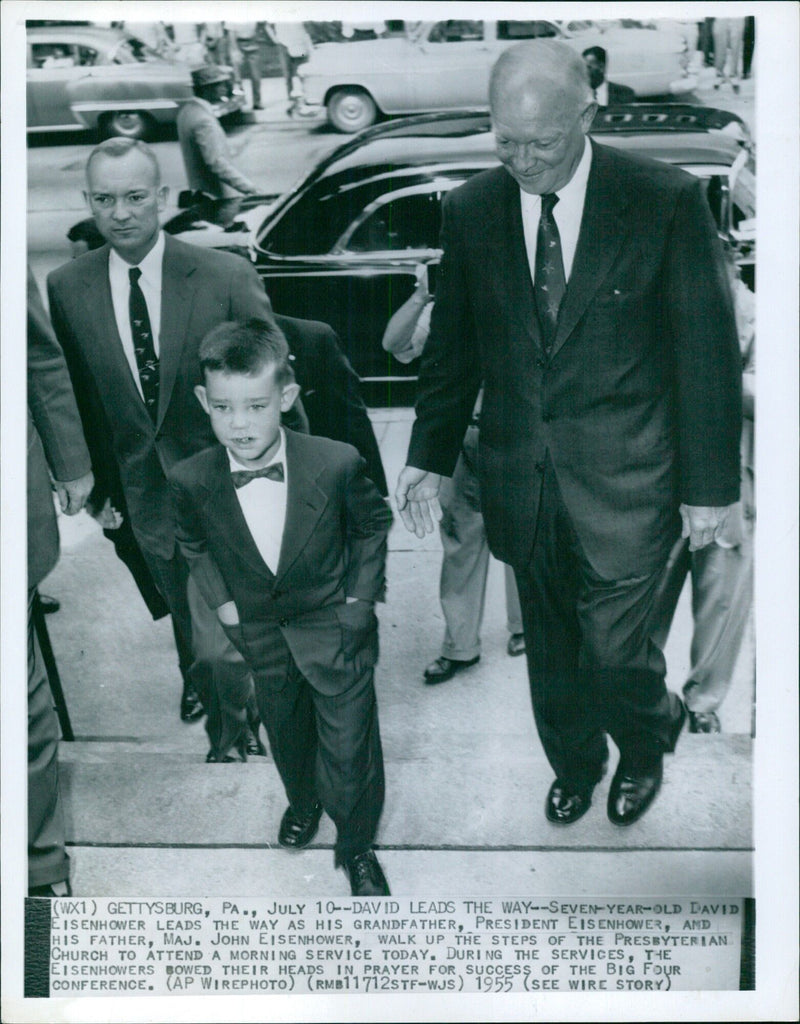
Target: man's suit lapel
<point>305,503</point>
<point>104,352</point>
<point>177,290</point>
<point>603,229</point>
<point>515,273</point>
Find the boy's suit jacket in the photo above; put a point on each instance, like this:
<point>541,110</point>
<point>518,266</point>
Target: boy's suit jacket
<point>334,546</point>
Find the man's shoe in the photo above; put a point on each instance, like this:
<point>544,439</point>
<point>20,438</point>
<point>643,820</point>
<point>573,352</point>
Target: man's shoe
<point>565,805</point>
<point>442,669</point>
<point>213,757</point>
<point>191,706</point>
<point>53,890</point>
<point>704,721</point>
<point>631,793</point>
<point>516,644</point>
<point>49,605</point>
<point>366,876</point>
<point>297,830</point>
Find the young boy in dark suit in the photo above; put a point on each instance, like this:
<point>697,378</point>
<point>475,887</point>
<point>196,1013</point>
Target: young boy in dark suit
<point>285,537</point>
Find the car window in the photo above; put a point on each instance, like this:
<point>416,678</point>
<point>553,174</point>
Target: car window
<point>87,57</point>
<point>53,55</point>
<point>456,32</point>
<point>401,222</point>
<point>526,30</point>
<point>132,50</point>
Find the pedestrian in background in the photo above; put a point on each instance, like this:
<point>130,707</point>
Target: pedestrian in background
<point>204,145</point>
<point>721,574</point>
<point>294,46</point>
<point>244,37</point>
<point>56,447</point>
<point>465,549</point>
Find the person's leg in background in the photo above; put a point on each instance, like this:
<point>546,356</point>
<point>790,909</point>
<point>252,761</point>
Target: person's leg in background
<point>48,862</point>
<point>516,636</point>
<point>465,565</point>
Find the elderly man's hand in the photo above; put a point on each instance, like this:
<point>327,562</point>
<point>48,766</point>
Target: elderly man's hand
<point>704,525</point>
<point>417,496</point>
<point>72,494</point>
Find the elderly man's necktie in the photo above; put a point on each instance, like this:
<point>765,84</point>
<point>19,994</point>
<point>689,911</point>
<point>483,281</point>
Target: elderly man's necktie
<point>143,345</point>
<point>241,477</point>
<point>549,282</point>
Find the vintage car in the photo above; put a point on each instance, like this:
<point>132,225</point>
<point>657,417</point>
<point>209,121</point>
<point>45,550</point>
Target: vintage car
<point>444,65</point>
<point>106,80</point>
<point>346,245</point>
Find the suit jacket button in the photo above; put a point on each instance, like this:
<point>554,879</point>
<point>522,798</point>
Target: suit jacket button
<point>283,623</point>
<point>540,467</point>
<point>546,417</point>
<point>277,593</point>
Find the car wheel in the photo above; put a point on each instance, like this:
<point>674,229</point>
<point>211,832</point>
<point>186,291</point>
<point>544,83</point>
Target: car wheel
<point>351,109</point>
<point>130,124</point>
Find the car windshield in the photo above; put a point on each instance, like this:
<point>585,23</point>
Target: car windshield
<point>132,51</point>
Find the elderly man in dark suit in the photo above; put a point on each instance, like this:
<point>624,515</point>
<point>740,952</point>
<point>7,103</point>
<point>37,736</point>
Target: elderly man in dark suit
<point>587,290</point>
<point>55,448</point>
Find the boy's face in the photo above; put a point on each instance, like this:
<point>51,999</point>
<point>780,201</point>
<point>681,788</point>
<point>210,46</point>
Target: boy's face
<point>245,412</point>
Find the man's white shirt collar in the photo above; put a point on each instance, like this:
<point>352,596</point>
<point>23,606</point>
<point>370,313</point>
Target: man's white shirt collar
<point>150,266</point>
<point>568,212</point>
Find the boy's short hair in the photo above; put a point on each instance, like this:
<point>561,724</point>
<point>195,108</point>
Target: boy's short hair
<point>247,347</point>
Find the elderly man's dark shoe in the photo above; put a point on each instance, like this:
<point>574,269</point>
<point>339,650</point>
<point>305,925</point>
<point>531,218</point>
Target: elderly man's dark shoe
<point>299,828</point>
<point>632,792</point>
<point>442,669</point>
<point>565,805</point>
<point>366,876</point>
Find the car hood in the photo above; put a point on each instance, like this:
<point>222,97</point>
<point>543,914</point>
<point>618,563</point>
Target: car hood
<point>163,71</point>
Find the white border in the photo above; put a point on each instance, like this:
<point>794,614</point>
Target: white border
<point>776,746</point>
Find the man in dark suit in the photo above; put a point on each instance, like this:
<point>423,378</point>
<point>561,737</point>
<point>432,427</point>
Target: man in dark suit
<point>587,290</point>
<point>606,94</point>
<point>135,433</point>
<point>55,446</point>
<point>148,426</point>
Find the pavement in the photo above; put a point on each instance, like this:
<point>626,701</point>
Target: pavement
<point>466,775</point>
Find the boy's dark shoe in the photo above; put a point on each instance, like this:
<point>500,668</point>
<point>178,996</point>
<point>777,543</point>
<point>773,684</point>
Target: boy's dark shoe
<point>49,605</point>
<point>297,830</point>
<point>366,876</point>
<point>442,669</point>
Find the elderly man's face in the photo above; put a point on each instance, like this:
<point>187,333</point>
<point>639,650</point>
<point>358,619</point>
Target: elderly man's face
<point>126,199</point>
<point>540,138</point>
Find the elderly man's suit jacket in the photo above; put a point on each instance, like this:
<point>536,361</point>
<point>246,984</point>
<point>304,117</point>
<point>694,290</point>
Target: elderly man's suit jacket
<point>333,547</point>
<point>639,404</point>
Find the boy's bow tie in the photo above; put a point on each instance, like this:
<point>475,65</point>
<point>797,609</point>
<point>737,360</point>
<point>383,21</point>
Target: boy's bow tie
<point>241,477</point>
